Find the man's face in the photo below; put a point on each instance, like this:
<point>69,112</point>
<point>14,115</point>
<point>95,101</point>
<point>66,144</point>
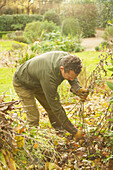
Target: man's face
<point>68,76</point>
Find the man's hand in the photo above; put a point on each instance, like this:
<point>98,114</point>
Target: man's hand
<point>82,93</point>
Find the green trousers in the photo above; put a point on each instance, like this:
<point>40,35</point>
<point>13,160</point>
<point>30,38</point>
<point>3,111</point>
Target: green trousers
<point>29,97</point>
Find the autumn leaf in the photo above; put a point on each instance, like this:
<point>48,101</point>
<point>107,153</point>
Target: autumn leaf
<point>19,141</point>
<point>19,129</point>
<point>35,145</point>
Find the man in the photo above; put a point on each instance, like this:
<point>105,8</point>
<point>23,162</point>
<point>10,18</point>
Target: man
<point>39,77</point>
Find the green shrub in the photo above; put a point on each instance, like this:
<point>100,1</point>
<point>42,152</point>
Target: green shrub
<point>49,26</point>
<point>108,34</point>
<point>77,49</point>
<point>105,13</point>
<point>16,22</point>
<point>97,48</point>
<point>17,26</point>
<point>104,45</point>
<point>54,42</point>
<point>17,36</point>
<point>52,36</point>
<point>71,26</point>
<point>61,44</point>
<point>52,16</point>
<point>86,15</point>
<point>25,55</point>
<point>32,32</point>
<point>35,30</point>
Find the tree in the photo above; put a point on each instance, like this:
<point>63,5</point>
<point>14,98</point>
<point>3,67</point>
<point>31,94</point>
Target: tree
<point>2,3</point>
<point>25,4</point>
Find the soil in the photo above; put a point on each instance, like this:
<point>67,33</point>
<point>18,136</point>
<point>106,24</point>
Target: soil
<point>91,43</point>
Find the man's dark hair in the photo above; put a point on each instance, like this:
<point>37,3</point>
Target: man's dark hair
<point>71,62</point>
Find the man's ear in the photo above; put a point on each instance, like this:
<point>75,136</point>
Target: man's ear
<point>61,68</point>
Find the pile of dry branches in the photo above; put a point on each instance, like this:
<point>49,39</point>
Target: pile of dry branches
<point>6,130</point>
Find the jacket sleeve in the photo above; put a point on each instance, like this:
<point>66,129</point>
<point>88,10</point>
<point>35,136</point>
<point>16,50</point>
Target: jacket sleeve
<point>50,90</point>
<point>75,85</point>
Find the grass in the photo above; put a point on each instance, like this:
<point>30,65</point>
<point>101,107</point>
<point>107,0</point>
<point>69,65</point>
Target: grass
<point>90,59</point>
<point>6,86</point>
<point>6,45</point>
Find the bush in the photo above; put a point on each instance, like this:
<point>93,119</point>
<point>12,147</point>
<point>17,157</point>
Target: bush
<point>52,36</point>
<point>54,42</point>
<point>17,26</point>
<point>71,26</point>
<point>49,26</point>
<point>97,48</point>
<point>104,45</point>
<point>108,34</point>
<point>16,22</point>
<point>35,30</point>
<point>61,44</point>
<point>105,13</point>
<point>86,15</point>
<point>17,36</point>
<point>52,16</point>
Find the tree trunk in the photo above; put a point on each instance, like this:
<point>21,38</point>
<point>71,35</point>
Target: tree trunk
<point>3,4</point>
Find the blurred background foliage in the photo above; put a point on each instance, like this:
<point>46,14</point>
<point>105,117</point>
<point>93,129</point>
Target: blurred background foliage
<point>47,25</point>
<point>90,13</point>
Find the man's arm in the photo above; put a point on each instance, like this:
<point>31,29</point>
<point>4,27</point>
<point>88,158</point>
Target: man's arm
<point>50,90</point>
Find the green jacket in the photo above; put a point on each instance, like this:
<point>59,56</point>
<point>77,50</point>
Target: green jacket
<point>43,72</point>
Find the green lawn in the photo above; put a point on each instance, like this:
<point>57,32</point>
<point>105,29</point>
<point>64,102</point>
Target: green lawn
<point>90,59</point>
<point>6,45</point>
<point>6,86</point>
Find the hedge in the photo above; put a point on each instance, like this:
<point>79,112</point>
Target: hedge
<point>17,22</point>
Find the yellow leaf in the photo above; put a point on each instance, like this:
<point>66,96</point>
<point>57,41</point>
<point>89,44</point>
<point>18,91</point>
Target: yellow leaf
<point>15,150</point>
<point>55,142</point>
<point>97,115</point>
<point>35,145</point>
<point>19,141</point>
